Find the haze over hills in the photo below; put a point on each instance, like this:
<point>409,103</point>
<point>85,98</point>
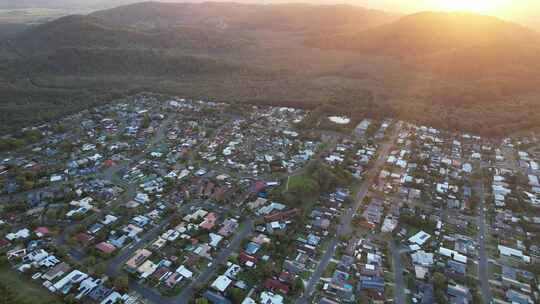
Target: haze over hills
<point>242,17</point>
<point>428,32</point>
<point>460,45</point>
<point>78,31</point>
<point>474,69</point>
<point>61,4</point>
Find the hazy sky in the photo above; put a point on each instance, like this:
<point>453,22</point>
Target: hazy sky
<point>522,11</point>
<point>514,9</point>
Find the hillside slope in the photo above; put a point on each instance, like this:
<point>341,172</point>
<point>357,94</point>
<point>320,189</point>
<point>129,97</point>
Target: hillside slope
<point>458,46</point>
<point>235,16</point>
<point>462,71</point>
<point>91,32</point>
<point>429,32</point>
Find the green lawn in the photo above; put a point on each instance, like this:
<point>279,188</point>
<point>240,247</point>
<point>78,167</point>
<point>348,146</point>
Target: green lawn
<point>329,271</point>
<point>27,291</point>
<point>301,183</point>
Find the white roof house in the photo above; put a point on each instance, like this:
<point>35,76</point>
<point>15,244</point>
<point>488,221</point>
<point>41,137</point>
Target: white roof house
<point>112,298</point>
<point>420,238</point>
<point>511,252</point>
<point>533,180</point>
<point>422,258</point>
<point>232,271</point>
<point>23,233</point>
<point>73,277</point>
<point>453,254</point>
<point>215,239</point>
<point>271,298</point>
<point>183,271</point>
<point>147,269</point>
<point>249,300</point>
<point>87,286</point>
<point>221,283</point>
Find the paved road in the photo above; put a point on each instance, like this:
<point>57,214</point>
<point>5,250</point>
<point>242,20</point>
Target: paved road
<point>115,263</point>
<point>189,291</point>
<point>110,174</point>
<point>316,276</point>
<point>370,178</point>
<point>346,219</point>
<point>483,268</point>
<point>399,288</point>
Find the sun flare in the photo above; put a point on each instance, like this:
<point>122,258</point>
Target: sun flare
<point>476,6</point>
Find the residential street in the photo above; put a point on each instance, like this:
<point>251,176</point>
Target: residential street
<point>198,197</point>
<point>483,267</point>
<point>399,288</point>
<point>316,276</point>
<point>187,293</point>
<point>116,263</point>
<point>345,221</point>
<point>221,259</point>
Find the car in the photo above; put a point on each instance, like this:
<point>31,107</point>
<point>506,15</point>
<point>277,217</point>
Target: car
<point>201,172</point>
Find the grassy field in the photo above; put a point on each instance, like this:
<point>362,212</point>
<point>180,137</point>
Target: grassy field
<point>26,290</point>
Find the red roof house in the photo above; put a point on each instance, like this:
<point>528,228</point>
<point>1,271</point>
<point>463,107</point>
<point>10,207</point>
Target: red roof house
<point>209,221</point>
<point>42,231</point>
<point>105,247</point>
<point>274,284</point>
<point>84,238</point>
<point>282,215</point>
<point>244,258</point>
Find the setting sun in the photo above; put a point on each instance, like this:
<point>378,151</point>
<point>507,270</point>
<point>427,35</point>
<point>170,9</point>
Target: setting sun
<point>478,6</point>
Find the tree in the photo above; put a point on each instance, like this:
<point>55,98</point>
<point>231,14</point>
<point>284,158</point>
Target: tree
<point>90,261</point>
<point>363,298</point>
<point>236,295</point>
<point>297,286</point>
<point>201,301</point>
<point>70,299</point>
<point>122,283</point>
<point>100,268</point>
<point>51,214</point>
<point>410,281</point>
<point>439,281</point>
<point>3,260</point>
<point>8,295</point>
<point>440,297</point>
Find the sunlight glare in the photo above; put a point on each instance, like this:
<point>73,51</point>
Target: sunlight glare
<point>476,6</point>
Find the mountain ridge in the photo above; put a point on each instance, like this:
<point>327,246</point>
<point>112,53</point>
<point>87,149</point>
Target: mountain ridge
<point>235,16</point>
<point>88,31</point>
<point>429,31</point>
<point>414,68</point>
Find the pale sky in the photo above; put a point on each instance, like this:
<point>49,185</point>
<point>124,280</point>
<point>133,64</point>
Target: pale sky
<point>522,11</point>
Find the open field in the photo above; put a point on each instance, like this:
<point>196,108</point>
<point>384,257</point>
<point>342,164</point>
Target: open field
<point>26,291</point>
